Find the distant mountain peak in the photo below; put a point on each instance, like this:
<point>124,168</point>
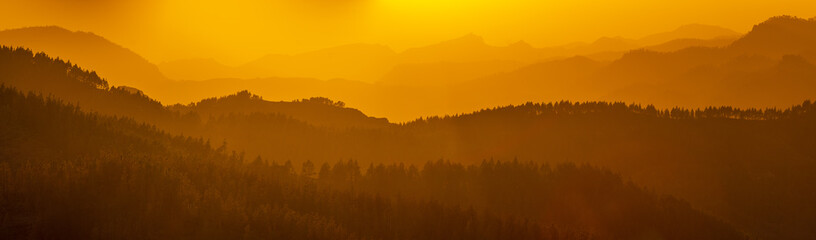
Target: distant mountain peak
<point>614,43</point>
<point>698,26</point>
<point>521,44</point>
<point>688,31</point>
<point>469,38</point>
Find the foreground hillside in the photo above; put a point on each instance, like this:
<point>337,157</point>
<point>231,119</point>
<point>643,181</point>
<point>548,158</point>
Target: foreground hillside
<point>70,174</point>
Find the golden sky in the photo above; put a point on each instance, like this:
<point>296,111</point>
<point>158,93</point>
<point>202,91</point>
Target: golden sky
<point>237,31</point>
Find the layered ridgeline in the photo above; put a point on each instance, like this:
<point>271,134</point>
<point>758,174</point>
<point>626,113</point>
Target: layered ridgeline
<point>27,71</point>
<point>370,77</point>
<point>696,66</point>
<point>751,167</point>
<point>109,59</point>
<point>71,174</point>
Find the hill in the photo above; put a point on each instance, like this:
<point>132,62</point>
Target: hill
<point>444,73</point>
<point>317,111</point>
<point>690,31</point>
<point>779,36</point>
<point>108,59</point>
<point>361,62</point>
<point>374,63</point>
<point>39,73</point>
<point>196,69</point>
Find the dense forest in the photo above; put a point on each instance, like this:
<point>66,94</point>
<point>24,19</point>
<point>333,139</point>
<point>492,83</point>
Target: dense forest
<point>71,174</point>
<point>240,166</point>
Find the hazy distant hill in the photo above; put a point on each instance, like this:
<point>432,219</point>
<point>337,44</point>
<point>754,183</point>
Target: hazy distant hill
<point>444,73</point>
<point>779,36</point>
<point>611,48</point>
<point>111,61</point>
<point>362,62</point>
<point>196,69</point>
<point>680,44</point>
<point>660,74</point>
<point>469,48</point>
<point>420,66</point>
<point>771,66</point>
<point>716,73</point>
<point>750,72</point>
<point>690,31</point>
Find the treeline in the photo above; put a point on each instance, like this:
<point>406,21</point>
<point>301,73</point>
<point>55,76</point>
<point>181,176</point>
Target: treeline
<point>566,108</point>
<point>70,174</point>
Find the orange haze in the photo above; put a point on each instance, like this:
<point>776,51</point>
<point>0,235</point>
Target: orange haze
<point>235,32</point>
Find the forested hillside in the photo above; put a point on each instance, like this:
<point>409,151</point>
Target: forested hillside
<point>751,168</point>
<point>317,111</point>
<point>70,174</point>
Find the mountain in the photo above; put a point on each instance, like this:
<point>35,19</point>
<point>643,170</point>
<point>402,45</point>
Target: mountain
<point>683,43</point>
<point>469,48</point>
<point>111,61</point>
<point>444,73</point>
<point>421,66</point>
<point>692,35</point>
<point>599,46</point>
<point>690,31</point>
<point>543,81</point>
<point>362,62</point>
<point>770,66</point>
<point>196,69</point>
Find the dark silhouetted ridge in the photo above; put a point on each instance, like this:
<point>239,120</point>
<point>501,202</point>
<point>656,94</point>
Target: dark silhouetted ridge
<point>316,111</point>
<point>110,60</point>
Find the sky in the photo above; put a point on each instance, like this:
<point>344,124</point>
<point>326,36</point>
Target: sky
<point>237,31</point>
